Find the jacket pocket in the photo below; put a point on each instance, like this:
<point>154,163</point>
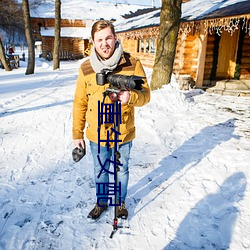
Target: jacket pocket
<point>127,120</point>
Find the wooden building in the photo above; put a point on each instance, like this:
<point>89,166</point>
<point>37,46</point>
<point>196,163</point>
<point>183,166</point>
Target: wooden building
<point>75,36</point>
<point>212,45</point>
<point>77,19</point>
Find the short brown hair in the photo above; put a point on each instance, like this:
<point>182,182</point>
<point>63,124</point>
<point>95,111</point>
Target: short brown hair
<point>101,24</point>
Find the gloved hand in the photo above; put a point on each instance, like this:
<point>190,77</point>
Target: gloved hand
<point>79,151</point>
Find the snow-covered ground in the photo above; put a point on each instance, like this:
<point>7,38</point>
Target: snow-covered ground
<point>189,169</point>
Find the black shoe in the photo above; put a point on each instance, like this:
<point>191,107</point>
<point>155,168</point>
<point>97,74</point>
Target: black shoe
<point>97,211</point>
<point>121,211</point>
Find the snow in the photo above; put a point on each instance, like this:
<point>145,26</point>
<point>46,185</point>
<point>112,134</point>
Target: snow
<point>86,10</point>
<point>192,10</point>
<point>155,3</point>
<point>84,33</point>
<point>197,9</point>
<point>189,169</point>
<point>145,20</point>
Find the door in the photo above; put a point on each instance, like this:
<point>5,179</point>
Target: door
<point>227,55</point>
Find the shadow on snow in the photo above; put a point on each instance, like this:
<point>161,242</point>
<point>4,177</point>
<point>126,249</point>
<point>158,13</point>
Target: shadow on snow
<point>22,110</point>
<point>210,223</point>
<point>190,153</point>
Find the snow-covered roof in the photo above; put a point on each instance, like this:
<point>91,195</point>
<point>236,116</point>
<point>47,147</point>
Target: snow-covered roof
<point>205,9</point>
<point>85,10</point>
<point>191,11</point>
<point>145,20</point>
<point>79,32</point>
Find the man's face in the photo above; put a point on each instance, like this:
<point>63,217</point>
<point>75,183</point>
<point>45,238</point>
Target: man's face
<point>104,42</point>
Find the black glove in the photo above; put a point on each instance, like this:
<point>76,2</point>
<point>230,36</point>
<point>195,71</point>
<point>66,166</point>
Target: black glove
<point>78,153</point>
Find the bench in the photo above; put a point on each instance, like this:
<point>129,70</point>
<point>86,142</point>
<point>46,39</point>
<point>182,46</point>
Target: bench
<point>13,61</point>
<point>63,55</point>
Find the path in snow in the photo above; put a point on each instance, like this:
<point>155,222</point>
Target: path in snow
<point>189,171</point>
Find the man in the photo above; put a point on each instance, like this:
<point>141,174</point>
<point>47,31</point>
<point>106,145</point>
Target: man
<point>107,54</point>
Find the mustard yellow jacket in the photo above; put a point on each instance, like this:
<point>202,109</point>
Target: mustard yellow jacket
<point>88,93</point>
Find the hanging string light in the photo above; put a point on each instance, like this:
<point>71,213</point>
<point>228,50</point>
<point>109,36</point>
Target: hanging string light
<point>218,25</point>
<point>140,33</point>
<point>246,25</point>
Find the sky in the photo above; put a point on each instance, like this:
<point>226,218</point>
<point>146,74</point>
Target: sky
<point>189,169</point>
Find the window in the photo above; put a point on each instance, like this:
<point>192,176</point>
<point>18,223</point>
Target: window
<point>146,45</point>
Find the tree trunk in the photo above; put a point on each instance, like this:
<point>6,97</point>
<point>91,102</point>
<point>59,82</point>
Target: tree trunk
<point>56,59</point>
<point>168,34</point>
<point>29,38</point>
<point>3,57</point>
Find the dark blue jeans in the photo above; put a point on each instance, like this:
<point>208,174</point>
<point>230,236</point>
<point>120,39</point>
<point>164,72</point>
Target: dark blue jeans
<point>105,188</point>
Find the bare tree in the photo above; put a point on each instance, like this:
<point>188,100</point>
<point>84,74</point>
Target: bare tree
<point>56,59</point>
<point>168,34</point>
<point>11,16</point>
<point>28,33</point>
<point>3,57</point>
<point>11,24</point>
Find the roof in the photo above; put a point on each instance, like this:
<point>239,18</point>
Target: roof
<point>193,10</point>
<point>79,32</point>
<point>208,9</point>
<point>85,10</point>
<point>146,20</point>
<point>236,9</point>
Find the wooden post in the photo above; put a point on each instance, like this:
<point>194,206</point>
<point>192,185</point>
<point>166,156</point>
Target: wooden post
<point>201,60</point>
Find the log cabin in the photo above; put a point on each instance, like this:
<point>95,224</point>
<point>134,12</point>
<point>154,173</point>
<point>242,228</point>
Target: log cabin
<point>74,37</point>
<point>213,41</point>
<point>77,19</point>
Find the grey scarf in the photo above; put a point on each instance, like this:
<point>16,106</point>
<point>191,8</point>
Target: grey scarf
<point>98,64</point>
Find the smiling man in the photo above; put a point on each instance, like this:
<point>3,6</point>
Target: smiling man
<point>107,54</point>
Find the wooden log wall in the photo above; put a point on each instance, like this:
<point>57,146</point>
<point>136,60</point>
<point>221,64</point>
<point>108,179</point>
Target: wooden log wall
<point>190,56</point>
<point>66,44</point>
<point>73,45</point>
<point>50,22</point>
<point>185,59</point>
<point>79,46</point>
<point>47,45</point>
<point>186,55</point>
<point>209,57</point>
<point>131,46</point>
<point>146,59</point>
<point>178,61</point>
